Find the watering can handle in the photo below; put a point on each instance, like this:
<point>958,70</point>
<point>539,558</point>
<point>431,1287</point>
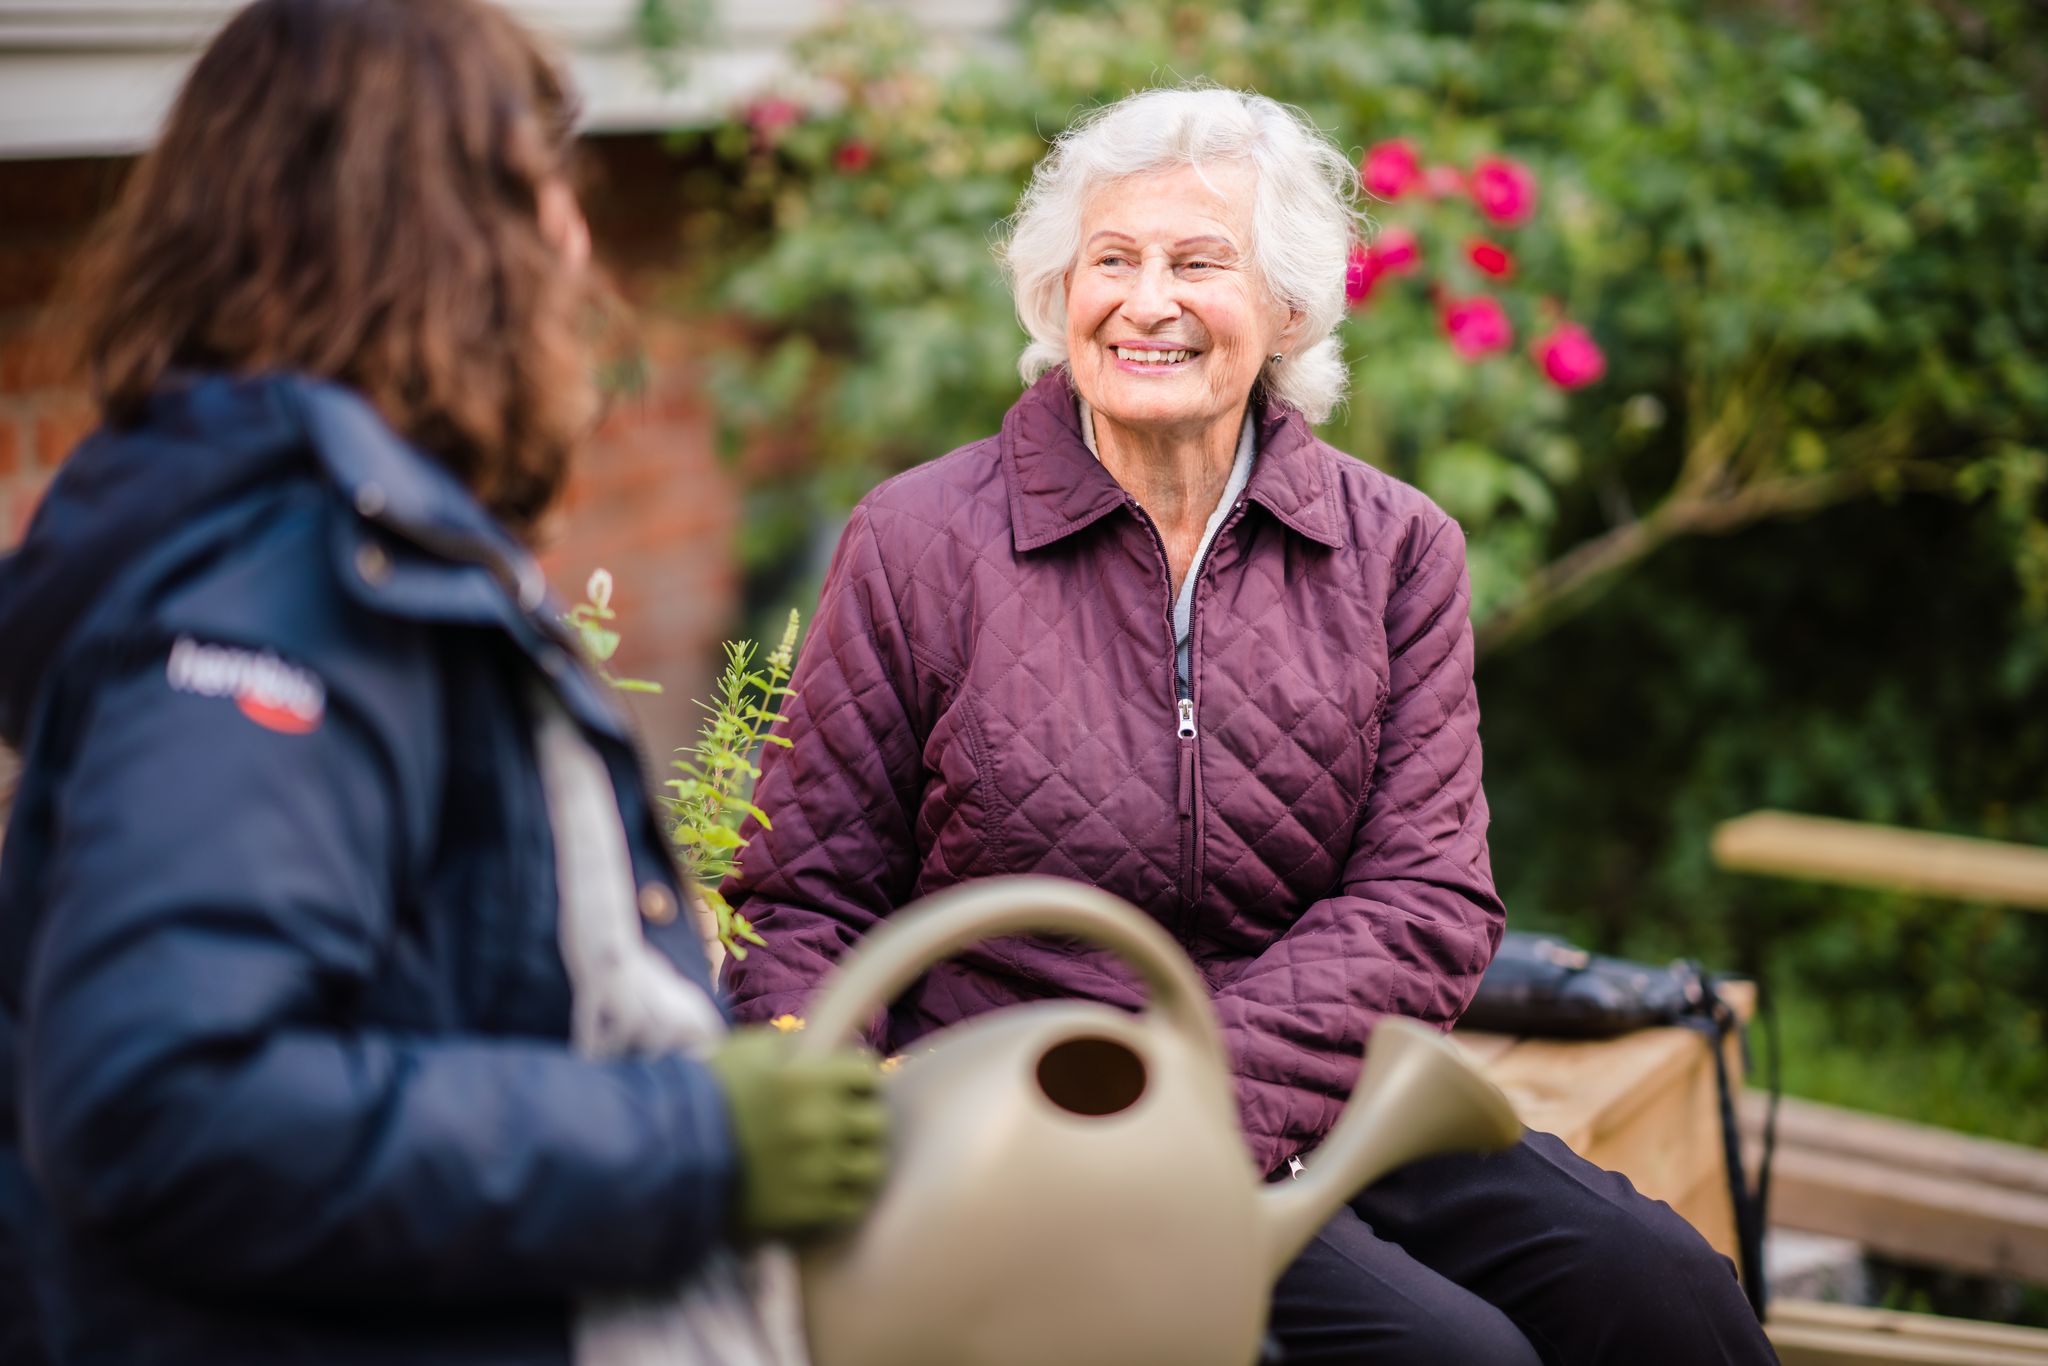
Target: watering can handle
<point>939,926</point>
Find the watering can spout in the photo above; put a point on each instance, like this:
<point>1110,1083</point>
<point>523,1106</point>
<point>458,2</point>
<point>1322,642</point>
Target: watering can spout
<point>1416,1097</point>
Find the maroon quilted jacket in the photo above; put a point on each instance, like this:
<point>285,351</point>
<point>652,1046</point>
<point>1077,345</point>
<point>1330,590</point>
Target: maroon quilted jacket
<point>989,687</point>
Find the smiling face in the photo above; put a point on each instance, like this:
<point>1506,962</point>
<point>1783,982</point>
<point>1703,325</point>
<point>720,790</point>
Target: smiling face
<point>1167,319</point>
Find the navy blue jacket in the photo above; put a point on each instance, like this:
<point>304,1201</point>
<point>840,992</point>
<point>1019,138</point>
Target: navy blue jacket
<point>277,915</point>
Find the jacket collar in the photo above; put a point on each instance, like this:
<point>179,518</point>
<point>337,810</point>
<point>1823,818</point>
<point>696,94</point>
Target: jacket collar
<point>474,572</point>
<point>395,487</point>
<point>1057,488</point>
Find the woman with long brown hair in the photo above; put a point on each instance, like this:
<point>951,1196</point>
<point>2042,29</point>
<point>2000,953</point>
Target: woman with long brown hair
<point>355,1018</point>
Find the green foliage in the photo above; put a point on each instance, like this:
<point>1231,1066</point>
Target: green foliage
<point>1813,244</point>
<point>665,28</point>
<point>1875,663</point>
<point>710,800</point>
<point>712,797</point>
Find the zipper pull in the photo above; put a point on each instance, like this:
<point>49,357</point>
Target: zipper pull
<point>1187,718</point>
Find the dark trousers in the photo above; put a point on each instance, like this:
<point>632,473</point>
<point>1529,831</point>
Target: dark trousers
<point>1527,1256</point>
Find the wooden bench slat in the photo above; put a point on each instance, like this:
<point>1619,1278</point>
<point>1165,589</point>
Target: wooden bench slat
<point>1913,1216</point>
<point>1879,1138</point>
<point>1920,1327</point>
<point>1802,1344</point>
<point>1817,848</point>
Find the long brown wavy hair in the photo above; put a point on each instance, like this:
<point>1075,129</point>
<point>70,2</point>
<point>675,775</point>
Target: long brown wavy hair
<point>352,189</point>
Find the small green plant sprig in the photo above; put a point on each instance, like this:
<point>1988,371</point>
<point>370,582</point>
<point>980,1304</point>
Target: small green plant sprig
<point>600,642</point>
<point>718,772</point>
<point>711,798</point>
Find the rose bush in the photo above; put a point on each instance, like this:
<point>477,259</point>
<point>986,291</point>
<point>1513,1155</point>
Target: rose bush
<point>1770,266</point>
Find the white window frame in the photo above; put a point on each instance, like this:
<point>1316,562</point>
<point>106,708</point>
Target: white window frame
<point>93,77</point>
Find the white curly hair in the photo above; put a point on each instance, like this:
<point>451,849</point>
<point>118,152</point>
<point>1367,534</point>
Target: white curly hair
<point>1305,219</point>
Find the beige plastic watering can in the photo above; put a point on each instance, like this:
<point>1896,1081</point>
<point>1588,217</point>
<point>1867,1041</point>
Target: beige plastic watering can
<point>1068,1183</point>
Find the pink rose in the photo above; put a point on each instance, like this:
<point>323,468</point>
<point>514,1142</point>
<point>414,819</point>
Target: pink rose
<point>1396,252</point>
<point>1491,258</point>
<point>853,156</point>
<point>1570,357</point>
<point>1443,182</point>
<point>1360,276</point>
<point>1504,190</point>
<point>1391,169</point>
<point>1477,326</point>
<point>770,115</point>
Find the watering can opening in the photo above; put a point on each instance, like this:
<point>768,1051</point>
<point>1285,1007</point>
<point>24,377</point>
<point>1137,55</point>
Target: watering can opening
<point>1091,1076</point>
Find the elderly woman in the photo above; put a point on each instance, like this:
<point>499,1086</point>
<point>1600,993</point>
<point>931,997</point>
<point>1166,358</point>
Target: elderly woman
<point>1156,637</point>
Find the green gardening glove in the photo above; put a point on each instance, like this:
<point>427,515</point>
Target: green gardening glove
<point>811,1132</point>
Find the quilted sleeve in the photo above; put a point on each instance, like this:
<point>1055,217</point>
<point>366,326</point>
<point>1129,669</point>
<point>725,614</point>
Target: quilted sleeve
<point>1414,919</point>
<point>196,1089</point>
<point>836,851</point>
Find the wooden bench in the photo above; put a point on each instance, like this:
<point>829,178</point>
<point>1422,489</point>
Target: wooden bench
<point>1645,1104</point>
<point>1910,1191</point>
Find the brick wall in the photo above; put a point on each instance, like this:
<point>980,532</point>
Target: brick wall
<point>43,410</point>
<point>650,501</point>
<point>652,504</point>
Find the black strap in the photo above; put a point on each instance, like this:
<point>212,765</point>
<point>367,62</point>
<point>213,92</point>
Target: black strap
<point>1716,1019</point>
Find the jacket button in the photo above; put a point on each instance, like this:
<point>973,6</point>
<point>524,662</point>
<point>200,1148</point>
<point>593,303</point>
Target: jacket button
<point>657,903</point>
<point>370,500</point>
<point>533,587</point>
<point>372,563</point>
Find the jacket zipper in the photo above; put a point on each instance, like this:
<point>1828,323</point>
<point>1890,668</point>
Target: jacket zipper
<point>1185,735</point>
<point>1184,723</point>
<point>1185,732</point>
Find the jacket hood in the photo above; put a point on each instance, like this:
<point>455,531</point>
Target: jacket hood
<point>120,493</point>
<point>200,444</point>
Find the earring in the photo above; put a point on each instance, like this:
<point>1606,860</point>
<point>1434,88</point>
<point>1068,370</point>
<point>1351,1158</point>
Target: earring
<point>1279,356</point>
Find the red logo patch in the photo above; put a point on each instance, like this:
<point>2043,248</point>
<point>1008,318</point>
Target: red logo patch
<point>273,717</point>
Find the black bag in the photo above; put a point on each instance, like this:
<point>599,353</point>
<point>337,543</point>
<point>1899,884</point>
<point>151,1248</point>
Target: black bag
<point>1542,985</point>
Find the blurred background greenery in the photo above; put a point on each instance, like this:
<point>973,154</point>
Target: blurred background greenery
<point>1789,550</point>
